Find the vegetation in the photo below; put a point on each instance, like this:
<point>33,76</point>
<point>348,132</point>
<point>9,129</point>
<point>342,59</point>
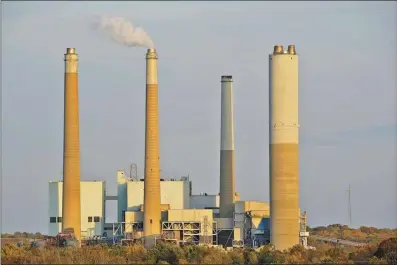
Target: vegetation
<point>388,250</point>
<point>23,235</point>
<point>385,253</point>
<point>383,250</point>
<point>364,234</point>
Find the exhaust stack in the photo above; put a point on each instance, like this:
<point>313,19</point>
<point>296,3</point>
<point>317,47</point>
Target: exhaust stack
<point>71,147</point>
<point>227,193</point>
<point>152,201</point>
<point>284,147</point>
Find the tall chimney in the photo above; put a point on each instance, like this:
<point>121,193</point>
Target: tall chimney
<point>284,148</point>
<point>152,201</point>
<point>227,196</point>
<point>71,147</point>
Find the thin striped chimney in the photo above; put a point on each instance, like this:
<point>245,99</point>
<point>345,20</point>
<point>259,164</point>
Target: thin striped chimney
<point>227,193</point>
<point>152,200</point>
<point>71,209</point>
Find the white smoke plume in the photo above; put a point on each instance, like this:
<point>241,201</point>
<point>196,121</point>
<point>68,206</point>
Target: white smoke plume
<point>123,31</point>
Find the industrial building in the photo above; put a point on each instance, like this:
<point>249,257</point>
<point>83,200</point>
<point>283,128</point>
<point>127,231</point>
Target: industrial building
<point>155,208</point>
<point>92,208</point>
<point>185,218</point>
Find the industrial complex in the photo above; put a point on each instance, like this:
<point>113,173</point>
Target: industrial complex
<point>156,209</point>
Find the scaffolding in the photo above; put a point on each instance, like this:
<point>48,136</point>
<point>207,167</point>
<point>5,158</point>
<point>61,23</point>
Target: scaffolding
<point>303,234</point>
<point>205,231</point>
<point>183,232</point>
<point>123,231</point>
<point>179,232</point>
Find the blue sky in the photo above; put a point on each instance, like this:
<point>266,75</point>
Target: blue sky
<point>347,99</point>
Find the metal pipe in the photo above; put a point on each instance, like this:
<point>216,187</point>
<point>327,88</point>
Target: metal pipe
<point>291,49</point>
<point>278,49</point>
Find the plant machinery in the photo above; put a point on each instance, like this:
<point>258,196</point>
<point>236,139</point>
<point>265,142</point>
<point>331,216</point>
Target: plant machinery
<point>65,239</point>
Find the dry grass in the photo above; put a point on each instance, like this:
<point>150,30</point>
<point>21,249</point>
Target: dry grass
<point>11,241</point>
<point>171,254</point>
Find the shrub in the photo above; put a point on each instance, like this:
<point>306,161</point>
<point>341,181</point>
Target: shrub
<point>165,252</point>
<point>237,256</point>
<point>385,247</point>
<point>193,254</point>
<point>375,260</point>
<point>250,257</point>
<point>133,254</point>
<point>338,255</point>
<point>296,255</point>
<point>267,255</point>
<point>215,256</point>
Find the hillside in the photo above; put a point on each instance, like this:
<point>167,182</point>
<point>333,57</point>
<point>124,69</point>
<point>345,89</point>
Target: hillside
<point>364,234</point>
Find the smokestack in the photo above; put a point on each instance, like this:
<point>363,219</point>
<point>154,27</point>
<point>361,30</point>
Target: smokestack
<point>152,214</point>
<point>227,196</point>
<point>284,148</point>
<point>278,49</point>
<point>291,49</point>
<point>71,147</point>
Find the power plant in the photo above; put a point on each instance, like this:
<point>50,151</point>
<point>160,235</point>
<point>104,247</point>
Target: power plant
<point>71,208</point>
<point>155,208</point>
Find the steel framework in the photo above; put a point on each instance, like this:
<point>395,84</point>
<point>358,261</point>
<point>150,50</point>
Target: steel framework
<point>188,232</point>
<point>119,230</point>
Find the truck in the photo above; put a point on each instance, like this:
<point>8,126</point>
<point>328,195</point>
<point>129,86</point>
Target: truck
<point>65,239</point>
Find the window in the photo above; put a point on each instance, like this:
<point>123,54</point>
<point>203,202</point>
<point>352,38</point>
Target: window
<point>59,219</point>
<point>53,219</point>
<point>96,219</point>
<point>90,219</point>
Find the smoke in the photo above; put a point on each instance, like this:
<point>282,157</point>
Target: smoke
<point>123,31</point>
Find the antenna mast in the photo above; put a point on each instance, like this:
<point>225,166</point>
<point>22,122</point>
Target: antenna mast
<point>350,206</point>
